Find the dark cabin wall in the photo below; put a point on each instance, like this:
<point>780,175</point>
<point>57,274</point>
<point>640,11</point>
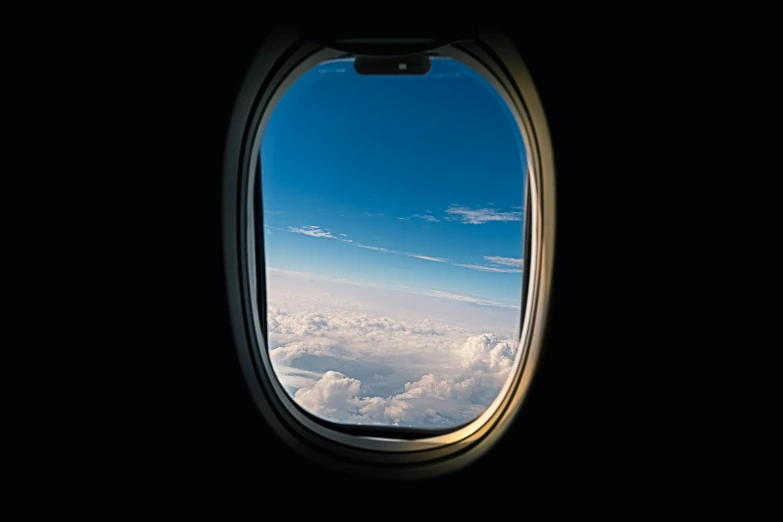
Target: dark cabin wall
<point>142,102</point>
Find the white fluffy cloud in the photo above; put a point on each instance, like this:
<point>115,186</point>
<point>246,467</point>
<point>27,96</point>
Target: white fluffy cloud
<point>358,355</point>
<point>295,350</point>
<point>483,353</point>
<point>432,399</point>
<point>331,397</point>
<point>479,216</point>
<point>427,402</point>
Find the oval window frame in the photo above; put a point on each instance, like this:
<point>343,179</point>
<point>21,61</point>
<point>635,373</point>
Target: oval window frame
<point>281,59</point>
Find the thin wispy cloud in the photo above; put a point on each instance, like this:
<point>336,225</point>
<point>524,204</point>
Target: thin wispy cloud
<point>507,261</point>
<point>469,299</point>
<point>373,215</point>
<point>427,258</point>
<point>404,218</point>
<point>427,217</point>
<point>400,288</point>
<point>456,297</point>
<point>312,231</point>
<point>409,254</point>
<point>479,216</point>
<point>379,249</point>
<point>315,231</point>
<point>485,268</point>
<point>506,265</point>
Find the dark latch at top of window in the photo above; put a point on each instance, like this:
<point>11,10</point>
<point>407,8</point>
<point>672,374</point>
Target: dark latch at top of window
<point>407,65</point>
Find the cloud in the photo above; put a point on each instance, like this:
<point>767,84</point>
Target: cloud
<point>427,217</point>
<point>434,398</point>
<point>508,261</point>
<point>484,268</point>
<point>465,298</point>
<point>427,258</point>
<point>389,251</point>
<point>404,218</point>
<point>365,358</point>
<point>396,288</point>
<point>484,353</point>
<point>315,231</point>
<point>330,397</point>
<point>312,231</point>
<point>296,350</point>
<point>430,401</point>
<point>480,216</point>
<point>379,249</point>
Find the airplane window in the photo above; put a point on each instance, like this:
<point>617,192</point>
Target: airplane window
<point>392,218</point>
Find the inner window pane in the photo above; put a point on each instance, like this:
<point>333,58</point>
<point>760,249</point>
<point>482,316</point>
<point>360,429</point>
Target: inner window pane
<point>393,225</point>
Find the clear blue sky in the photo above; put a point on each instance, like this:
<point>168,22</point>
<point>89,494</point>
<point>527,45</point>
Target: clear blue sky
<point>428,165</point>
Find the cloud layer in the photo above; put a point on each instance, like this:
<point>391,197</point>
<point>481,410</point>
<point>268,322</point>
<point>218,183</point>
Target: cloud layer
<point>362,356</point>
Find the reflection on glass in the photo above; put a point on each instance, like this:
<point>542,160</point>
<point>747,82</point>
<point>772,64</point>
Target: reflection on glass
<point>393,225</point>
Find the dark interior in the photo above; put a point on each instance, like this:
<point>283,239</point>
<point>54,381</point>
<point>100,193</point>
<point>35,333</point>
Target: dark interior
<point>141,103</point>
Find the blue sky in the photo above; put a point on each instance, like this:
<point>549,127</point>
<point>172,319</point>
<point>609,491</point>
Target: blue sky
<point>361,174</point>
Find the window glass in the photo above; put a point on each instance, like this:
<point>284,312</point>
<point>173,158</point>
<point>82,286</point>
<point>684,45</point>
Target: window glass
<point>393,225</point>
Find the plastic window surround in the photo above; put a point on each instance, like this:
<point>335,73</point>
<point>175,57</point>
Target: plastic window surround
<point>282,59</point>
